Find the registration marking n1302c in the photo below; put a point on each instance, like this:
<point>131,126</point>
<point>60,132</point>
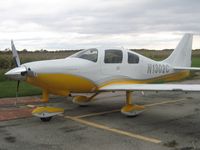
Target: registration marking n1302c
<point>157,69</point>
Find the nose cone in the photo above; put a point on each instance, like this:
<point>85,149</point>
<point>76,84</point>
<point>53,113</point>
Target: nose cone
<point>16,73</point>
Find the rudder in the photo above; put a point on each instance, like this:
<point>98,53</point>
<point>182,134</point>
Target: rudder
<point>181,56</point>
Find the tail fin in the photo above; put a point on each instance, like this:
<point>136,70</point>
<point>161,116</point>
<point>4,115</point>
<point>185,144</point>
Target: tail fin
<point>181,56</point>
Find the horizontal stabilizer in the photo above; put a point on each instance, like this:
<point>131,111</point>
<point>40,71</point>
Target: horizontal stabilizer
<point>152,87</point>
<point>187,68</point>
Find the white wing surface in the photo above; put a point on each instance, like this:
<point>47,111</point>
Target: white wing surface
<point>152,87</point>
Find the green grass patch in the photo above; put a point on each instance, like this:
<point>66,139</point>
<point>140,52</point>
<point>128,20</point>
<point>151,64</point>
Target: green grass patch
<point>8,89</point>
<point>2,76</point>
<point>195,61</point>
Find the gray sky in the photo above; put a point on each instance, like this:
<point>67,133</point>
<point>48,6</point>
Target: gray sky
<point>75,24</point>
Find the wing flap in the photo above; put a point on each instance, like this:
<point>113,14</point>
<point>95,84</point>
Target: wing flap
<point>152,87</point>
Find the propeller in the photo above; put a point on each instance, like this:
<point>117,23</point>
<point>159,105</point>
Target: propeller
<point>18,64</point>
<point>20,72</point>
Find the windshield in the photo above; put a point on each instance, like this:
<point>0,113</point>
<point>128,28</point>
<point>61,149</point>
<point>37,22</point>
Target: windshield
<point>90,54</point>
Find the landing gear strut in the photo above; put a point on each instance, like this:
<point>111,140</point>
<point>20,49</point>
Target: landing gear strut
<point>45,96</point>
<point>130,109</point>
<point>84,100</point>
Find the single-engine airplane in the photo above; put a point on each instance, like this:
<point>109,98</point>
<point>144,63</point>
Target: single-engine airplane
<point>95,71</point>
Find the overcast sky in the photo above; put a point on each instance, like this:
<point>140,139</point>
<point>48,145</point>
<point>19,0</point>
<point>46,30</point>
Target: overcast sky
<point>77,24</point>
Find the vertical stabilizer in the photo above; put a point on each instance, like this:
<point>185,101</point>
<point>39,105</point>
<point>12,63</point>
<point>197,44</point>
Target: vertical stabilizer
<point>181,56</point>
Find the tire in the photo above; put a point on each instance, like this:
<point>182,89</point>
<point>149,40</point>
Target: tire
<point>47,119</point>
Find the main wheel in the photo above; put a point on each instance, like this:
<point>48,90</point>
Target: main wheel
<point>132,110</point>
<point>46,119</point>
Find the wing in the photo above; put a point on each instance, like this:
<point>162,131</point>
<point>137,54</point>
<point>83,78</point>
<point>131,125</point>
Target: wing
<point>151,87</point>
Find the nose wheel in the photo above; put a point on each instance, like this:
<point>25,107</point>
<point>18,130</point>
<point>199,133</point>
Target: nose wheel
<point>130,109</point>
<point>46,119</point>
<point>46,113</point>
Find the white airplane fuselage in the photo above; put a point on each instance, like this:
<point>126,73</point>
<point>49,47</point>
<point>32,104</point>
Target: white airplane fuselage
<point>96,71</point>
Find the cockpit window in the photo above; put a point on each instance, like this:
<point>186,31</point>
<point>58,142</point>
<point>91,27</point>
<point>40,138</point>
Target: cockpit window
<point>113,56</point>
<point>90,54</point>
<point>133,59</point>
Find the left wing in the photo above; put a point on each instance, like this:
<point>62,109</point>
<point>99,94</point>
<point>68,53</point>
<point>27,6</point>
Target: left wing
<point>152,87</point>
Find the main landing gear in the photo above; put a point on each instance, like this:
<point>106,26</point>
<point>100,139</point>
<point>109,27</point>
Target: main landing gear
<point>130,109</point>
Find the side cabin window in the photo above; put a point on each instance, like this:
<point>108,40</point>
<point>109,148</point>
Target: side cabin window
<point>113,56</point>
<point>132,58</point>
<point>90,54</point>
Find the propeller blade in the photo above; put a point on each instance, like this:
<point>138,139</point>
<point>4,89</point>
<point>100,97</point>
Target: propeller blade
<point>18,85</point>
<point>15,54</point>
<point>17,90</point>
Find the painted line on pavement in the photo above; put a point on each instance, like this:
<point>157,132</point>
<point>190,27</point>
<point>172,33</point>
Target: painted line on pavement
<point>121,132</point>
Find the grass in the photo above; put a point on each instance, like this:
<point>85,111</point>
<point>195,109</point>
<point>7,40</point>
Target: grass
<point>8,89</point>
<point>196,62</point>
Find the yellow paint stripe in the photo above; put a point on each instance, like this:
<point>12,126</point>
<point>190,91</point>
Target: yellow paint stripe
<point>117,110</point>
<point>99,126</point>
<point>165,102</point>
